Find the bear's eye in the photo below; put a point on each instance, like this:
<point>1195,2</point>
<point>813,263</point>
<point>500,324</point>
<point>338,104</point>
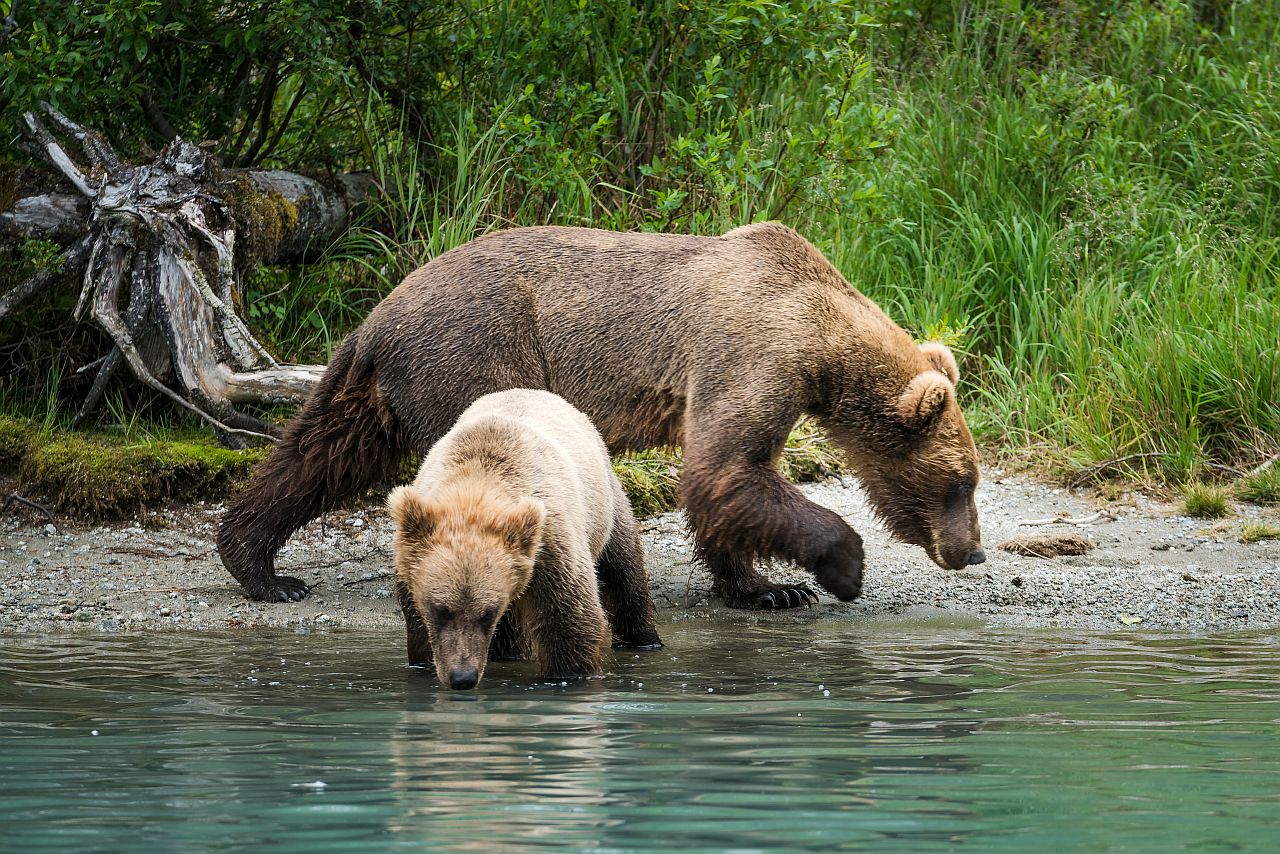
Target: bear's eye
<point>959,492</point>
<point>489,616</point>
<point>440,613</point>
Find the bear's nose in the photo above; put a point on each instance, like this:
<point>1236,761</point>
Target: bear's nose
<point>462,679</point>
<point>977,557</point>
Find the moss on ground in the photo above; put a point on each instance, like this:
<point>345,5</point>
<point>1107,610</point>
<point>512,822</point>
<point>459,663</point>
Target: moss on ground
<point>650,478</point>
<point>97,476</point>
<point>16,437</point>
<point>809,456</point>
<point>102,477</point>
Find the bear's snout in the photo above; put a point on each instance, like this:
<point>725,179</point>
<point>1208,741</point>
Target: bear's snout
<point>977,557</point>
<point>462,678</point>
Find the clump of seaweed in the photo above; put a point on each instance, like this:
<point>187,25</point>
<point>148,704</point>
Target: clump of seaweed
<point>1048,545</point>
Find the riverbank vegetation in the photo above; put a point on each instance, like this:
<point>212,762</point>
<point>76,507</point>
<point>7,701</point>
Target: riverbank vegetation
<point>1080,197</point>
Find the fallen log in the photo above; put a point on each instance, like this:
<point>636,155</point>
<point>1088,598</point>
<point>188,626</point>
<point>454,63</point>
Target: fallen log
<point>174,235</point>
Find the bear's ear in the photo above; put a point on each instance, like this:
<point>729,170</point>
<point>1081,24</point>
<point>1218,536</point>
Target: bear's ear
<point>942,360</point>
<point>414,516</point>
<point>523,526</point>
<point>924,400</point>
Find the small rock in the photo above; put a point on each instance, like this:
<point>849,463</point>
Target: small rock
<point>50,529</point>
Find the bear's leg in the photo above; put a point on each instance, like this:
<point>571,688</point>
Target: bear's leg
<point>506,643</point>
<point>740,508</point>
<point>565,620</point>
<point>419,645</point>
<point>344,441</point>
<point>624,586</point>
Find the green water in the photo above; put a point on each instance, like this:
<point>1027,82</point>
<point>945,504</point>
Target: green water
<point>930,739</point>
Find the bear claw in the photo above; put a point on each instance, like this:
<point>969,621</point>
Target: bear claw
<point>787,597</point>
<point>284,588</point>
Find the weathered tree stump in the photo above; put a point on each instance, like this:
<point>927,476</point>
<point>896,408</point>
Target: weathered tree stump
<point>166,234</point>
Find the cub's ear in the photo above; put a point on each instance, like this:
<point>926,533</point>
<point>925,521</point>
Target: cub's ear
<point>523,526</point>
<point>414,516</point>
<point>942,360</point>
<point>924,399</point>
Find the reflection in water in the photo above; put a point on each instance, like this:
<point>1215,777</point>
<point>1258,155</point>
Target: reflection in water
<point>917,739</point>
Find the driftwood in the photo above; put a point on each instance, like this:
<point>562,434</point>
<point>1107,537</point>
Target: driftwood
<point>1068,519</point>
<point>166,233</point>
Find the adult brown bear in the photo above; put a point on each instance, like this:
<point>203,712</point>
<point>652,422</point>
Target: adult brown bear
<point>716,344</point>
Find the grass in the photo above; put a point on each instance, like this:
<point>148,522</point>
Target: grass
<point>1099,242</point>
<point>1260,488</point>
<point>1106,237</point>
<point>1255,532</point>
<point>1085,205</point>
<point>1205,501</point>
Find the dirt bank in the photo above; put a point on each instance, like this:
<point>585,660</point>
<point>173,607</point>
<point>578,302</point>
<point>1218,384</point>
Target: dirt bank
<point>1152,569</point>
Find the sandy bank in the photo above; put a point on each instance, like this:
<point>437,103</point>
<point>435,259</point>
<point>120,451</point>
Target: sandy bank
<point>1152,569</point>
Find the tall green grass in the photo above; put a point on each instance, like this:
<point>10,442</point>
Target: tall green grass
<point>1100,225</point>
<point>1084,201</point>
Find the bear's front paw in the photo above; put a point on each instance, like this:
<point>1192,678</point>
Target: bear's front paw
<point>839,570</point>
<point>640,640</point>
<point>282,588</point>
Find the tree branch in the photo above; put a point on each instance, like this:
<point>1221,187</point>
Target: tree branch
<point>72,261</point>
<point>58,156</point>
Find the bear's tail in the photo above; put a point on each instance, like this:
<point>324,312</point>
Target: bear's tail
<point>344,441</point>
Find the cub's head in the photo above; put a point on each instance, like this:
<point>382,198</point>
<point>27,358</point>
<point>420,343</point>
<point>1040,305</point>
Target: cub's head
<point>922,481</point>
<point>463,563</point>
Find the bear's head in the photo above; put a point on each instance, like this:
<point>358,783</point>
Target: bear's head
<point>464,562</point>
<point>922,471</point>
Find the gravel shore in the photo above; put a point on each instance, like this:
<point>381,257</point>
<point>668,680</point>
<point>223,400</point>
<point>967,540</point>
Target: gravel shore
<point>1153,569</point>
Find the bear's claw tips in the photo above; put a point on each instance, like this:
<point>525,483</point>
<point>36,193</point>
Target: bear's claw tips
<point>285,588</point>
<point>787,597</point>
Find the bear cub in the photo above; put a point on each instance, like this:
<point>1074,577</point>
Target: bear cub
<point>516,537</point>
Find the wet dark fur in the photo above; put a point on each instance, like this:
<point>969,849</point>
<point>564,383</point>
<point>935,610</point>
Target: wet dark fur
<point>715,344</point>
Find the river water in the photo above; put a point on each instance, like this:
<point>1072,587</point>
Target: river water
<point>891,737</point>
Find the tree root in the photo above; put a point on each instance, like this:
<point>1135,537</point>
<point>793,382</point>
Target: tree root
<point>165,228</point>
